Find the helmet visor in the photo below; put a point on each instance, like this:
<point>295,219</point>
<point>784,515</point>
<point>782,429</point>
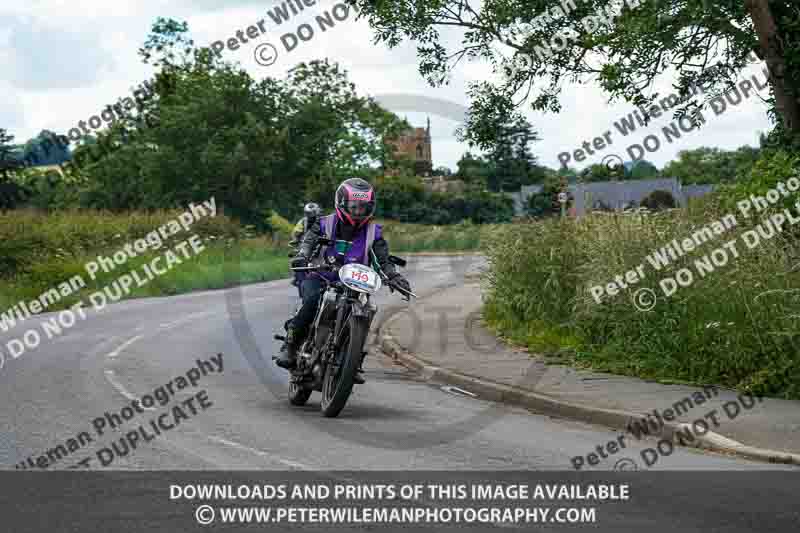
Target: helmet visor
<point>359,208</point>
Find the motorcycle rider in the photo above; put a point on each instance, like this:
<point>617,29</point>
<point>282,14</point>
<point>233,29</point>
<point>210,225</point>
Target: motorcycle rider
<point>355,206</point>
<point>311,213</point>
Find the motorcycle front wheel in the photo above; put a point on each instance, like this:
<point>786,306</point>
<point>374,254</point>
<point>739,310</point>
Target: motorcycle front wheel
<point>338,382</point>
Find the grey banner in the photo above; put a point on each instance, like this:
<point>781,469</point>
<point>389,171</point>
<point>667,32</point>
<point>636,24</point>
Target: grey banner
<point>170,502</point>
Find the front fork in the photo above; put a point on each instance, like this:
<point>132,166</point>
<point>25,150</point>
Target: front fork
<point>353,309</point>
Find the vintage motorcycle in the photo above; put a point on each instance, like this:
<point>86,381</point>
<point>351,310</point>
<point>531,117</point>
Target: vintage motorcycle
<point>333,351</point>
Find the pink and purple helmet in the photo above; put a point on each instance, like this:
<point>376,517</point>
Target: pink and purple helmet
<point>355,202</point>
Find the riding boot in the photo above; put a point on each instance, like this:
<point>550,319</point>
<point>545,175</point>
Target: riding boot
<point>288,354</point>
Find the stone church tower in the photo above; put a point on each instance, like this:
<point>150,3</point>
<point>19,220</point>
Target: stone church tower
<point>415,144</point>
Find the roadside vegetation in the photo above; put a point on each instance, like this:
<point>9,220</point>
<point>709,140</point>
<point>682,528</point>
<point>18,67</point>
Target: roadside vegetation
<point>735,327</point>
<point>420,238</point>
<point>39,251</point>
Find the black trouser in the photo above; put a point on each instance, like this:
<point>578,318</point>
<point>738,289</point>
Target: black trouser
<point>298,282</point>
<point>311,290</point>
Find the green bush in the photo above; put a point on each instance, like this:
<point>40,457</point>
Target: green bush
<point>405,199</point>
<point>41,250</point>
<point>773,167</point>
<point>425,238</point>
<point>737,326</point>
<point>658,200</point>
<point>29,238</point>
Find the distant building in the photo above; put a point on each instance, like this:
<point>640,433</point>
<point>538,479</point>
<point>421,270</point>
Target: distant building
<point>620,194</point>
<point>415,144</point>
<point>614,194</point>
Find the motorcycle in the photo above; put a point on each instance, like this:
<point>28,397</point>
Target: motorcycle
<point>333,351</point>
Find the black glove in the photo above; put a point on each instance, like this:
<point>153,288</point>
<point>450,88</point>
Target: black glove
<point>400,282</point>
<point>299,261</point>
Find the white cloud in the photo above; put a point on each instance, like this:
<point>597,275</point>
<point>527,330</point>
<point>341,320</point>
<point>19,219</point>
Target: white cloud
<point>67,60</point>
<point>40,56</point>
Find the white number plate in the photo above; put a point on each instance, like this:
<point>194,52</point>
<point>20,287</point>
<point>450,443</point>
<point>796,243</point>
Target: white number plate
<point>360,278</point>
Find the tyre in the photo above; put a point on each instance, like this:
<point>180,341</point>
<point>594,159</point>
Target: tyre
<point>338,382</point>
<point>298,395</point>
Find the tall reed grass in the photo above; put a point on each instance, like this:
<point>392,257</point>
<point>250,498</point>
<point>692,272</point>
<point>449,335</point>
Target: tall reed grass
<point>737,326</point>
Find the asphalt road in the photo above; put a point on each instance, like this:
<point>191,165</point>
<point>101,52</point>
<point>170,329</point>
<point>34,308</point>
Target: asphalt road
<point>395,421</point>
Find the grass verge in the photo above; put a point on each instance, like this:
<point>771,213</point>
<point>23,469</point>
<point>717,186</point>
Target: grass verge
<point>40,251</point>
<point>736,326</point>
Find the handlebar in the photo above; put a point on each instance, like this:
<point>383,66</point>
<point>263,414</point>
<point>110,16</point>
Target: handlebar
<point>330,268</point>
<point>312,268</point>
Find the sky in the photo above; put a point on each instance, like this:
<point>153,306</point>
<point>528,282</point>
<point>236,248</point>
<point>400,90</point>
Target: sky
<point>64,61</point>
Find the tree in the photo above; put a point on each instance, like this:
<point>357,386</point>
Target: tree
<point>11,193</point>
<point>643,170</point>
<point>775,41</point>
<point>474,170</point>
<point>545,203</point>
<point>536,47</point>
<point>45,150</point>
<point>212,130</point>
<point>513,163</point>
<point>597,172</point>
<point>442,171</point>
<point>712,165</point>
<point>568,173</point>
<point>9,162</point>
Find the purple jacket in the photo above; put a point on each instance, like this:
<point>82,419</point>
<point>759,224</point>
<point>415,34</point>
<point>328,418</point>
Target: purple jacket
<point>357,251</point>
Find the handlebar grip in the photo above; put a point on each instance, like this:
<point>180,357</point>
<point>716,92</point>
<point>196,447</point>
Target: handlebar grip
<point>400,289</point>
